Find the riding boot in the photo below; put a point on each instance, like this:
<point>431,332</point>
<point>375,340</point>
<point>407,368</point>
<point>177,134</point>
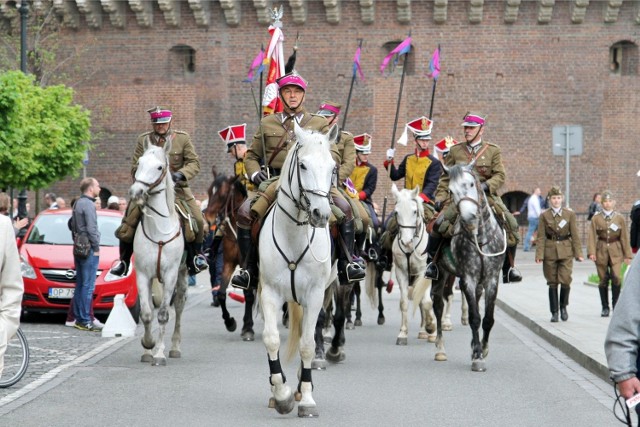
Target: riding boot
<point>359,247</point>
<point>248,251</point>
<point>564,302</point>
<point>509,272</point>
<point>352,270</point>
<point>553,303</point>
<point>615,293</point>
<point>196,261</point>
<point>433,245</point>
<point>122,267</point>
<point>604,300</point>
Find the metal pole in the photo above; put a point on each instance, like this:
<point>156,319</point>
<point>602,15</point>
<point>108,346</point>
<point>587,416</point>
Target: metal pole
<point>24,14</point>
<point>353,80</point>
<point>433,93</point>
<point>567,166</point>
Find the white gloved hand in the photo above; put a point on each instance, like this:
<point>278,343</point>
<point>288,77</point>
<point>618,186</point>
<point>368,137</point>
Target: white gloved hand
<point>390,153</point>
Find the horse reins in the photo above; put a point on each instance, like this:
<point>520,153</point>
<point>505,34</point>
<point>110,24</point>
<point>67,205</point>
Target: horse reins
<point>415,234</point>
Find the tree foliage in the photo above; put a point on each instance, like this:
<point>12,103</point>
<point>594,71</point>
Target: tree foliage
<point>43,135</point>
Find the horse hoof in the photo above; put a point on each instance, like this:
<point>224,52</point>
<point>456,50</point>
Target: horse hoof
<point>465,322</point>
<point>146,358</point>
<point>358,322</point>
<point>272,403</point>
<point>380,320</point>
<point>159,361</point>
<point>431,338</point>
<point>284,406</point>
<point>248,335</point>
<point>349,325</point>
<point>441,357</point>
<point>447,327</point>
<point>175,354</point>
<point>319,364</point>
<point>401,341</point>
<point>307,411</point>
<point>478,366</point>
<point>335,355</point>
<point>422,335</point>
<point>230,324</point>
<point>297,396</point>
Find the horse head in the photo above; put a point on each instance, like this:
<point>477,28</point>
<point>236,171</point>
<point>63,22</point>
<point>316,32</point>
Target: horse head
<point>408,213</point>
<point>464,187</point>
<point>152,174</point>
<point>307,174</point>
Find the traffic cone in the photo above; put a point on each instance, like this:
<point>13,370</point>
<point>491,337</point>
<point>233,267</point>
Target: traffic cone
<point>120,323</point>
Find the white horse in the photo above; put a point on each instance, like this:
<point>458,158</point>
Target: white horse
<point>158,246</point>
<point>410,260</point>
<point>295,261</point>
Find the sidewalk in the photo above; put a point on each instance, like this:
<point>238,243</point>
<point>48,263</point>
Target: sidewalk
<point>582,336</point>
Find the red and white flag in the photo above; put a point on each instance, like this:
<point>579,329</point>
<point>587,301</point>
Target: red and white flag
<point>271,101</point>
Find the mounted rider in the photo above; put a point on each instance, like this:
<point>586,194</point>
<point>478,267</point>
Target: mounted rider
<point>420,169</point>
<point>184,165</point>
<point>263,162</point>
<point>492,176</point>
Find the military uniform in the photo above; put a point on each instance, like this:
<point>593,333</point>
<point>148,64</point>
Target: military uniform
<point>608,240</point>
<point>365,179</point>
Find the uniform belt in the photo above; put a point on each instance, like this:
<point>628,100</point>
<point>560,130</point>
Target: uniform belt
<point>611,240</point>
<point>559,238</point>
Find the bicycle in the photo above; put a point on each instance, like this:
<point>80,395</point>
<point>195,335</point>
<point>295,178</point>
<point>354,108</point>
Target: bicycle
<point>16,360</point>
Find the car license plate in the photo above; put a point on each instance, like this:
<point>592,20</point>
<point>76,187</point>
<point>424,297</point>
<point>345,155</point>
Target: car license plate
<point>61,293</point>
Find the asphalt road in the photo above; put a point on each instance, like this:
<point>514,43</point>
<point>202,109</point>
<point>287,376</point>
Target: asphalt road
<point>220,380</point>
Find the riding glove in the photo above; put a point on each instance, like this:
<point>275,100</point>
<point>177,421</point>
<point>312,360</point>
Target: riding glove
<point>485,187</point>
<point>177,176</point>
<point>438,206</point>
<point>390,153</point>
<point>259,177</point>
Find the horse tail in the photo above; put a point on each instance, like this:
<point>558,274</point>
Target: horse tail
<point>370,284</point>
<point>420,286</point>
<point>295,329</point>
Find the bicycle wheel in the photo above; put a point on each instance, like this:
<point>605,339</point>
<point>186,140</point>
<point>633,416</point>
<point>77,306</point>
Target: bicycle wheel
<point>16,360</point>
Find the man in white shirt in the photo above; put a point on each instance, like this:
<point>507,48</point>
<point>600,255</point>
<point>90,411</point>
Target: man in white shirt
<point>534,209</point>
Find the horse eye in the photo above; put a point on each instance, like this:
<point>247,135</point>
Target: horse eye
<point>303,167</point>
<point>159,168</point>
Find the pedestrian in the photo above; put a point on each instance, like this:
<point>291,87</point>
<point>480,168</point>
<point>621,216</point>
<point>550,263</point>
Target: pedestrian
<point>112,203</point>
<point>595,206</point>
<point>50,201</point>
<point>533,205</point>
<point>98,202</point>
<point>608,246</point>
<point>84,220</point>
<point>18,224</point>
<point>622,342</point>
<point>634,236</point>
<point>184,165</point>
<point>11,285</point>
<point>558,245</point>
<point>122,204</point>
<point>62,204</point>
<point>492,176</point>
<point>263,161</point>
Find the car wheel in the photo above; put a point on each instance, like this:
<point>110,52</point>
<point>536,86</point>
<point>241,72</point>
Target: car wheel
<point>135,310</point>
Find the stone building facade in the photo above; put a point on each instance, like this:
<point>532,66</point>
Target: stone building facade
<point>528,65</point>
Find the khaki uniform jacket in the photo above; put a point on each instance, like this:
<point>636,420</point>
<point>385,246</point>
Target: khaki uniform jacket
<point>608,238</point>
<point>345,157</point>
<point>182,158</point>
<point>489,167</point>
<point>11,285</point>
<point>558,237</point>
<point>273,129</point>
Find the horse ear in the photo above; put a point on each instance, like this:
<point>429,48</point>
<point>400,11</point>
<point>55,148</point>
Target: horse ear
<point>415,192</point>
<point>145,143</point>
<point>297,131</point>
<point>333,133</point>
<point>394,191</point>
<point>445,168</point>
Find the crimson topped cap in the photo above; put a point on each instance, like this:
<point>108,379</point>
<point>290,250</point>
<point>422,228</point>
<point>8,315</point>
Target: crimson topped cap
<point>421,127</point>
<point>328,108</point>
<point>445,144</point>
<point>292,78</point>
<point>363,143</point>
<point>555,191</point>
<point>159,115</point>
<point>473,120</point>
<point>233,135</point>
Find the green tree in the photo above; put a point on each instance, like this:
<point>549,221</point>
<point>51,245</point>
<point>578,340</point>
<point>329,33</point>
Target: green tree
<point>43,135</point>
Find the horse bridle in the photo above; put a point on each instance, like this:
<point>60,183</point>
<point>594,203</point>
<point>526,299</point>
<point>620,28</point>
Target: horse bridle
<point>303,204</point>
<point>415,226</point>
<point>154,184</point>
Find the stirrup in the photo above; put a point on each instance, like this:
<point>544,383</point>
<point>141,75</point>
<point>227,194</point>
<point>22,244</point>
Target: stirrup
<point>120,269</point>
<point>241,280</point>
<point>434,274</point>
<point>372,255</point>
<point>357,274</point>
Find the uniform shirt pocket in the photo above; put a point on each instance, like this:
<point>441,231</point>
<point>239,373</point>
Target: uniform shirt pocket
<point>176,161</point>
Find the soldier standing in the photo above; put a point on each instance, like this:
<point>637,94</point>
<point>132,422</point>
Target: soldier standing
<point>184,165</point>
<point>558,244</point>
<point>608,246</point>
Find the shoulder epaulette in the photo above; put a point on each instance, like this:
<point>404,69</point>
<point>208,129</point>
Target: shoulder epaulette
<point>493,145</point>
<point>346,132</point>
<point>597,213</point>
<point>180,132</point>
<point>145,134</point>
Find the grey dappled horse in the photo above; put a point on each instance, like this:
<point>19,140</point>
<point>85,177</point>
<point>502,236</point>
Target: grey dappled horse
<point>295,261</point>
<point>158,247</point>
<point>477,253</point>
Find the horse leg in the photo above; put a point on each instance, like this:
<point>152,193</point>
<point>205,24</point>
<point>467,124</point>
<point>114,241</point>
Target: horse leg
<point>247,333</point>
<point>283,399</point>
<point>447,325</point>
<point>477,362</point>
<point>229,322</point>
<point>146,315</point>
<point>349,323</point>
<point>179,302</point>
<point>430,325</point>
<point>307,406</point>
<point>380,285</point>
<point>159,359</point>
<point>336,350</point>
<point>464,304</point>
<point>404,304</point>
<point>358,291</point>
<point>227,271</point>
<point>438,306</point>
<point>328,313</point>
<point>319,361</point>
<point>487,322</point>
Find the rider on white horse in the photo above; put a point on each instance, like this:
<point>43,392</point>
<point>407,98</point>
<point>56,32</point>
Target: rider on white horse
<point>184,166</point>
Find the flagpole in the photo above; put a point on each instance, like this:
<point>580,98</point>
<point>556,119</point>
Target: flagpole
<point>395,126</point>
<point>353,80</point>
<point>433,90</point>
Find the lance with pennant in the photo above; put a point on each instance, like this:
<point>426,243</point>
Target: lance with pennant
<point>356,67</point>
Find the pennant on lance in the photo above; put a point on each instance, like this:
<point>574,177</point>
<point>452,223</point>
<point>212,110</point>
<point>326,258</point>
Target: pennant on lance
<point>403,48</point>
<point>271,102</point>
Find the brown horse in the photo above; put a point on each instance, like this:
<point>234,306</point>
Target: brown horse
<point>226,194</point>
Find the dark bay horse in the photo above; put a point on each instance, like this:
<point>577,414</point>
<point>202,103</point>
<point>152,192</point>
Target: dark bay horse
<point>226,194</point>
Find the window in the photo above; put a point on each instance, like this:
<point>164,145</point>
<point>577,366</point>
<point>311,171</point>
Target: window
<point>407,60</point>
<point>182,60</point>
<point>623,58</point>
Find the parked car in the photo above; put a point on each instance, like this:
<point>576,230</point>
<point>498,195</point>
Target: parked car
<point>48,271</point>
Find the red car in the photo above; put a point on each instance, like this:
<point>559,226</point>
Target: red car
<point>49,273</point>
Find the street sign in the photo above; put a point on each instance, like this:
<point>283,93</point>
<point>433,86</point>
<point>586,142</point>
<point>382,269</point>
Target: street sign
<point>85,161</point>
<point>561,140</point>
